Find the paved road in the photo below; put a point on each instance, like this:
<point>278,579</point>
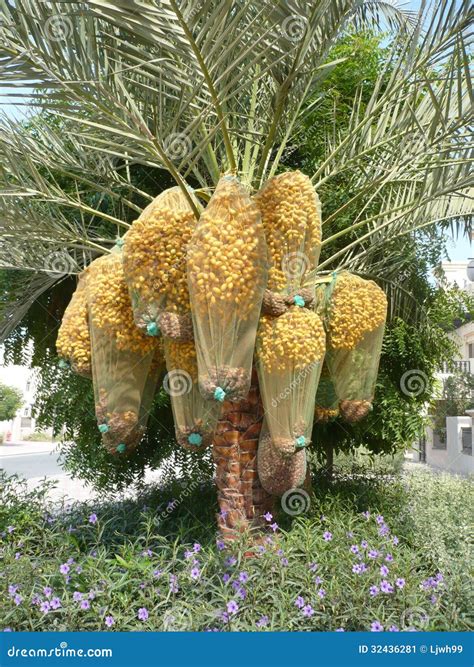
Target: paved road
<point>31,464</point>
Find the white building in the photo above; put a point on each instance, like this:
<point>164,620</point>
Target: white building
<point>454,451</point>
<point>21,378</point>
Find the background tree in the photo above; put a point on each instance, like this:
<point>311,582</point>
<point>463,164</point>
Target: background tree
<point>193,89</point>
<point>11,400</point>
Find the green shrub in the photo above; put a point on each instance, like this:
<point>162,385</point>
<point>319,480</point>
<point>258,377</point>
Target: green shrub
<point>153,562</point>
<point>38,436</point>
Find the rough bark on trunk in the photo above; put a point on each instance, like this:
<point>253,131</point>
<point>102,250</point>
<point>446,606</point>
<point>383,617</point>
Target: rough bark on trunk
<point>242,499</point>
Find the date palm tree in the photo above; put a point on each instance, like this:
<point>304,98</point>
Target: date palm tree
<point>197,88</point>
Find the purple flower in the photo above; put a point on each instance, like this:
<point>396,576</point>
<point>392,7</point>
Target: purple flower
<point>78,569</point>
<point>17,599</point>
<point>224,617</point>
<point>226,578</point>
<point>223,514</point>
<point>196,547</point>
<point>220,545</point>
<point>393,628</point>
<point>232,607</point>
<point>299,602</point>
<point>35,600</point>
<point>400,582</point>
<point>373,553</point>
<point>45,607</point>
<point>262,622</point>
<point>77,596</point>
<point>10,529</point>
<point>327,536</point>
<point>91,595</point>
<point>142,614</point>
<point>364,544</point>
<point>7,629</point>
<point>17,555</point>
<point>340,630</point>
<point>64,568</point>
<point>284,562</point>
<point>395,540</point>
<point>366,514</point>
<point>380,520</point>
<point>243,577</point>
<point>195,573</point>
<point>232,560</point>
<point>268,516</point>
<point>318,580</point>
<point>47,591</point>
<point>12,589</point>
<point>142,585</point>
<point>350,534</point>
<point>242,593</point>
<point>109,621</point>
<point>384,530</point>
<point>85,604</point>
<point>374,590</point>
<point>93,518</point>
<point>188,554</point>
<point>386,586</point>
<point>389,558</point>
<point>384,570</point>
<point>313,567</point>
<point>356,569</point>
<point>439,577</point>
<point>174,588</point>
<point>354,549</point>
<point>308,611</point>
<point>321,593</point>
<point>274,526</point>
<point>433,599</point>
<point>55,603</point>
<point>70,561</point>
<point>157,573</point>
<point>376,627</point>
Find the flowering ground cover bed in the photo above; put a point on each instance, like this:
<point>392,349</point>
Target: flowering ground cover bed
<point>375,552</point>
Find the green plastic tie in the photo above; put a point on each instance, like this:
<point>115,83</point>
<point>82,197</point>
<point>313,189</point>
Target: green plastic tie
<point>152,329</point>
<point>219,394</point>
<point>300,442</point>
<point>121,448</point>
<point>299,301</point>
<point>195,439</point>
<point>103,428</point>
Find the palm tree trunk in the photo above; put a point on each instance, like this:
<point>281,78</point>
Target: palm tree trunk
<point>242,499</point>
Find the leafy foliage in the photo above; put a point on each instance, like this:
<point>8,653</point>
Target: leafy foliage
<point>11,400</point>
<point>131,555</point>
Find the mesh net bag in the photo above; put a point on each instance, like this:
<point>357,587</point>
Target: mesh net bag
<point>227,273</point>
<point>154,261</point>
<point>195,418</point>
<point>73,343</point>
<point>279,472</point>
<point>327,400</point>
<point>126,363</point>
<point>356,315</point>
<point>290,351</point>
<point>291,216</point>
